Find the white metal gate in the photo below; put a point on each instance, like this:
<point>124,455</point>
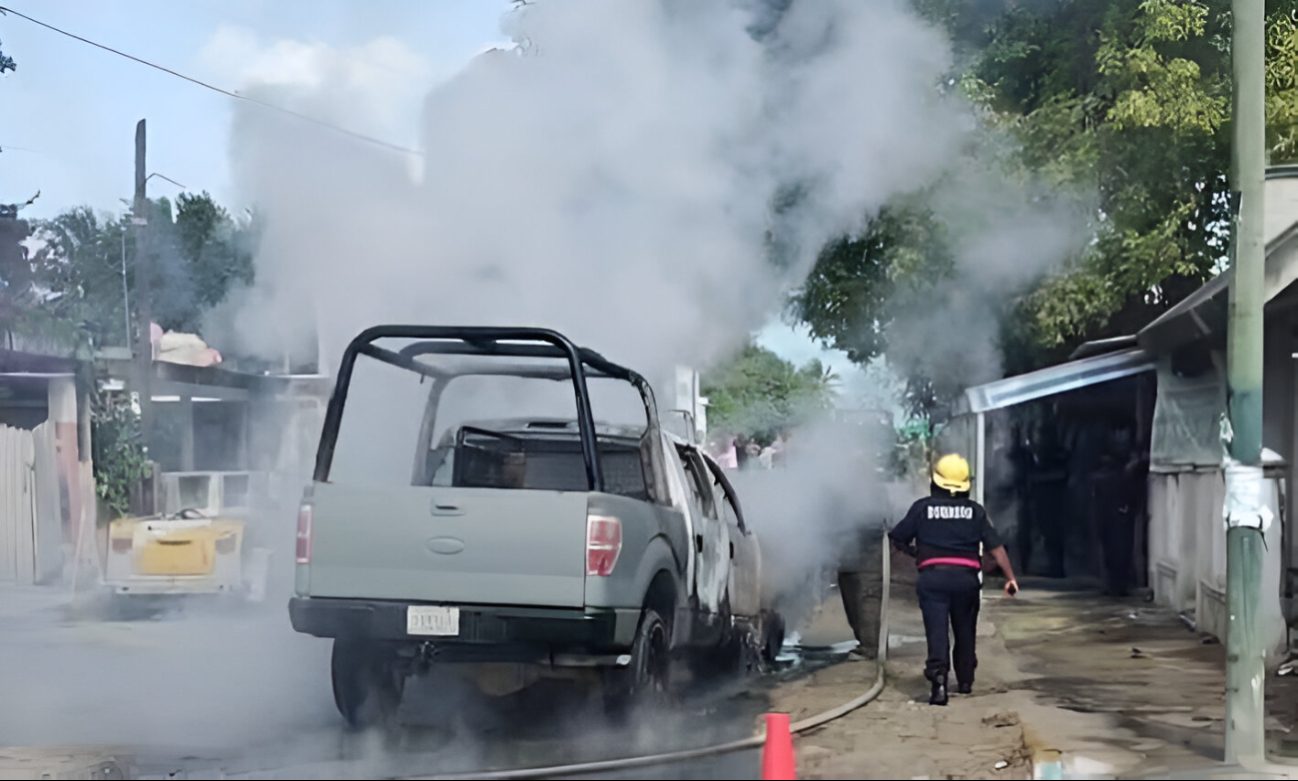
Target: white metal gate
<point>31,529</point>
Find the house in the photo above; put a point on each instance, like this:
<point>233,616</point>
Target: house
<point>222,438</point>
<point>1187,485</point>
<point>1179,416</point>
<point>1063,415</point>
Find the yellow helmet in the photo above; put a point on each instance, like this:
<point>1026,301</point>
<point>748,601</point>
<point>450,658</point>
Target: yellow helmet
<point>952,474</point>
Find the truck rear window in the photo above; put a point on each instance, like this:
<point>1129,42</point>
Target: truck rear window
<point>484,459</point>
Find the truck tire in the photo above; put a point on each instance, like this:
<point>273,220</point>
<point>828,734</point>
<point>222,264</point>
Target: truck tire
<point>729,658</point>
<point>367,684</point>
<point>646,680</point>
<point>772,637</point>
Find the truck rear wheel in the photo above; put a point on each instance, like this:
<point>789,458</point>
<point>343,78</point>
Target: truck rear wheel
<point>367,684</point>
<point>646,680</point>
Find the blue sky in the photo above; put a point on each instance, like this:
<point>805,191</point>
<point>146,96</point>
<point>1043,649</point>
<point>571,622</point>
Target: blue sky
<point>68,114</point>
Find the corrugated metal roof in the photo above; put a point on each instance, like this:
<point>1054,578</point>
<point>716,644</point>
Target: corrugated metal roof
<point>1200,314</point>
<point>1056,379</point>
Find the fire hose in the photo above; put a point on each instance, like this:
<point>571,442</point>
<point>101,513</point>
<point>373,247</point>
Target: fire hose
<point>745,744</point>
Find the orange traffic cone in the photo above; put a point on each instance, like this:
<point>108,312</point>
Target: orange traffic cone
<point>777,754</point>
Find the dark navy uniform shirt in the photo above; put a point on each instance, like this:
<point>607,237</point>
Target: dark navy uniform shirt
<point>946,528</point>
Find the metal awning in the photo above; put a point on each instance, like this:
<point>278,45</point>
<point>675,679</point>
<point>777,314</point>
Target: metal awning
<point>1055,379</point>
<point>176,379</point>
<point>18,362</point>
<point>1103,346</point>
<point>1198,315</point>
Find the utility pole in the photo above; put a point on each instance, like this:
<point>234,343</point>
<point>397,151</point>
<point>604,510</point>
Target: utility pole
<point>1246,515</point>
<point>126,292</point>
<point>144,335</point>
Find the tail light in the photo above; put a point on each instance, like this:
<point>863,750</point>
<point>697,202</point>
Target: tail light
<point>122,544</point>
<point>304,534</point>
<point>603,544</point>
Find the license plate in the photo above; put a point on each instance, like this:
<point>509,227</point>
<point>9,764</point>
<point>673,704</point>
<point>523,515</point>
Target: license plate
<point>432,621</point>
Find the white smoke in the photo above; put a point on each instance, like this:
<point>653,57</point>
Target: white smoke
<point>651,178</point>
<point>613,178</point>
<point>616,178</point>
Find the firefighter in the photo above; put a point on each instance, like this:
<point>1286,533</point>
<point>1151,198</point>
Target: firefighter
<point>946,533</point>
<point>860,584</point>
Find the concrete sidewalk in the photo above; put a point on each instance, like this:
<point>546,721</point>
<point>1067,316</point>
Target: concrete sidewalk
<point>1071,684</point>
<point>1120,688</point>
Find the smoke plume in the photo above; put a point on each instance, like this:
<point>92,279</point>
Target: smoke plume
<point>651,178</point>
<point>648,177</point>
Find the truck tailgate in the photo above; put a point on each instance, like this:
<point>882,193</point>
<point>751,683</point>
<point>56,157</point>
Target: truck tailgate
<point>456,545</point>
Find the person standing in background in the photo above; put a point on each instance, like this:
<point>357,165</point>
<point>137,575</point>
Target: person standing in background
<point>1050,511</point>
<point>1021,458</point>
<point>741,451</point>
<point>723,450</point>
<point>1117,492</point>
<point>860,584</point>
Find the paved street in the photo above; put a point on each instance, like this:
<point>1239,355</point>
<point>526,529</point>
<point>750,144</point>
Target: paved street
<point>240,694</point>
<point>1117,688</point>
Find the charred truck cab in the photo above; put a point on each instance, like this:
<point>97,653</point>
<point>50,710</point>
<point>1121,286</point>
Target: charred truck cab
<point>545,547</point>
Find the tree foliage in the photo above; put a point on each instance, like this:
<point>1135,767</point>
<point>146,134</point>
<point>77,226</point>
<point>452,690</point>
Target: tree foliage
<point>16,292</point>
<point>6,63</point>
<point>757,393</point>
<point>1126,102</point>
<point>1130,100</point>
<point>85,265</point>
<point>861,286</point>
<point>81,275</point>
<point>119,457</point>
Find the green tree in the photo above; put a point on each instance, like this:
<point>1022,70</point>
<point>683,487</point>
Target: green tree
<point>79,280</point>
<point>1122,101</point>
<point>6,63</point>
<point>861,284</point>
<point>757,393</point>
<point>1130,100</point>
<point>119,458</point>
<point>79,263</point>
<point>199,254</point>
<point>17,291</point>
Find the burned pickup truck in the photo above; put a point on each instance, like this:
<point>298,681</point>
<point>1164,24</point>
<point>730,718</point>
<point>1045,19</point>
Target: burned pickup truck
<point>550,547</point>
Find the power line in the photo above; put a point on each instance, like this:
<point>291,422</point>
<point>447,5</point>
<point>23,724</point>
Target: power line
<point>227,93</point>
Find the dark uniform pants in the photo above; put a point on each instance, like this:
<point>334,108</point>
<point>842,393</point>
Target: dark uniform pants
<point>861,587</point>
<point>948,596</point>
<point>1118,528</point>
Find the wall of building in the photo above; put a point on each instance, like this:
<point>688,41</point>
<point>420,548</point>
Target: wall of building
<point>64,416</point>
<point>1187,562</point>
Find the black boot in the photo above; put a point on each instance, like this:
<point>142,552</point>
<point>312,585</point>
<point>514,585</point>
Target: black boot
<point>938,695</point>
<point>964,688</point>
